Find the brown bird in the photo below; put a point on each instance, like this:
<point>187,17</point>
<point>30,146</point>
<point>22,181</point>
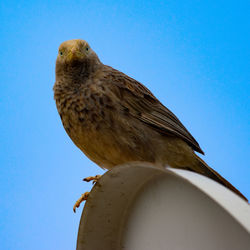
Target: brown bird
<point>114,119</point>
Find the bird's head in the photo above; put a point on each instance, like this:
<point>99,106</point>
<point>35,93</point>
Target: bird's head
<point>76,55</point>
<point>73,50</point>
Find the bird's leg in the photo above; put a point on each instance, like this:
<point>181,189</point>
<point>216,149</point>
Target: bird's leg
<point>92,178</point>
<point>83,197</point>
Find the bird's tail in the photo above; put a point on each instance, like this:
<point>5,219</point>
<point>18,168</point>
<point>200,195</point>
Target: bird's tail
<point>202,168</point>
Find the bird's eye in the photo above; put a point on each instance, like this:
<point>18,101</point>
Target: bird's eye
<point>87,49</point>
<point>61,53</point>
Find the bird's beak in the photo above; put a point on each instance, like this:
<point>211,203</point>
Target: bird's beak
<point>74,54</point>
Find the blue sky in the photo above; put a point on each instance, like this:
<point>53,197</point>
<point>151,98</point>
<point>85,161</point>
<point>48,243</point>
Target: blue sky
<point>193,55</point>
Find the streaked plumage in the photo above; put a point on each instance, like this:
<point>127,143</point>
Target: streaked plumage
<point>114,119</point>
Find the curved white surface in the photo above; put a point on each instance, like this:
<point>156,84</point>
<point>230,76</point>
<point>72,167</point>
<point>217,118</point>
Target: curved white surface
<point>234,205</point>
<point>140,207</point>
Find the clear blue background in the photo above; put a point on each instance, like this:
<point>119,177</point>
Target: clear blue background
<point>193,55</point>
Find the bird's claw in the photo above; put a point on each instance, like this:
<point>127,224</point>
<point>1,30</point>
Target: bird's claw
<point>92,178</point>
<point>83,197</point>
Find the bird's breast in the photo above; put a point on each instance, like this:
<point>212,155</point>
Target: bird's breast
<point>101,129</point>
<point>85,114</point>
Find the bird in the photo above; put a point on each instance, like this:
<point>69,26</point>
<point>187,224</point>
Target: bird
<point>114,119</point>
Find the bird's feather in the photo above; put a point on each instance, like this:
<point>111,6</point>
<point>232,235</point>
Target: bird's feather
<point>143,105</point>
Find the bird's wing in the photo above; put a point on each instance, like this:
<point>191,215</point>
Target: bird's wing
<point>143,105</point>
